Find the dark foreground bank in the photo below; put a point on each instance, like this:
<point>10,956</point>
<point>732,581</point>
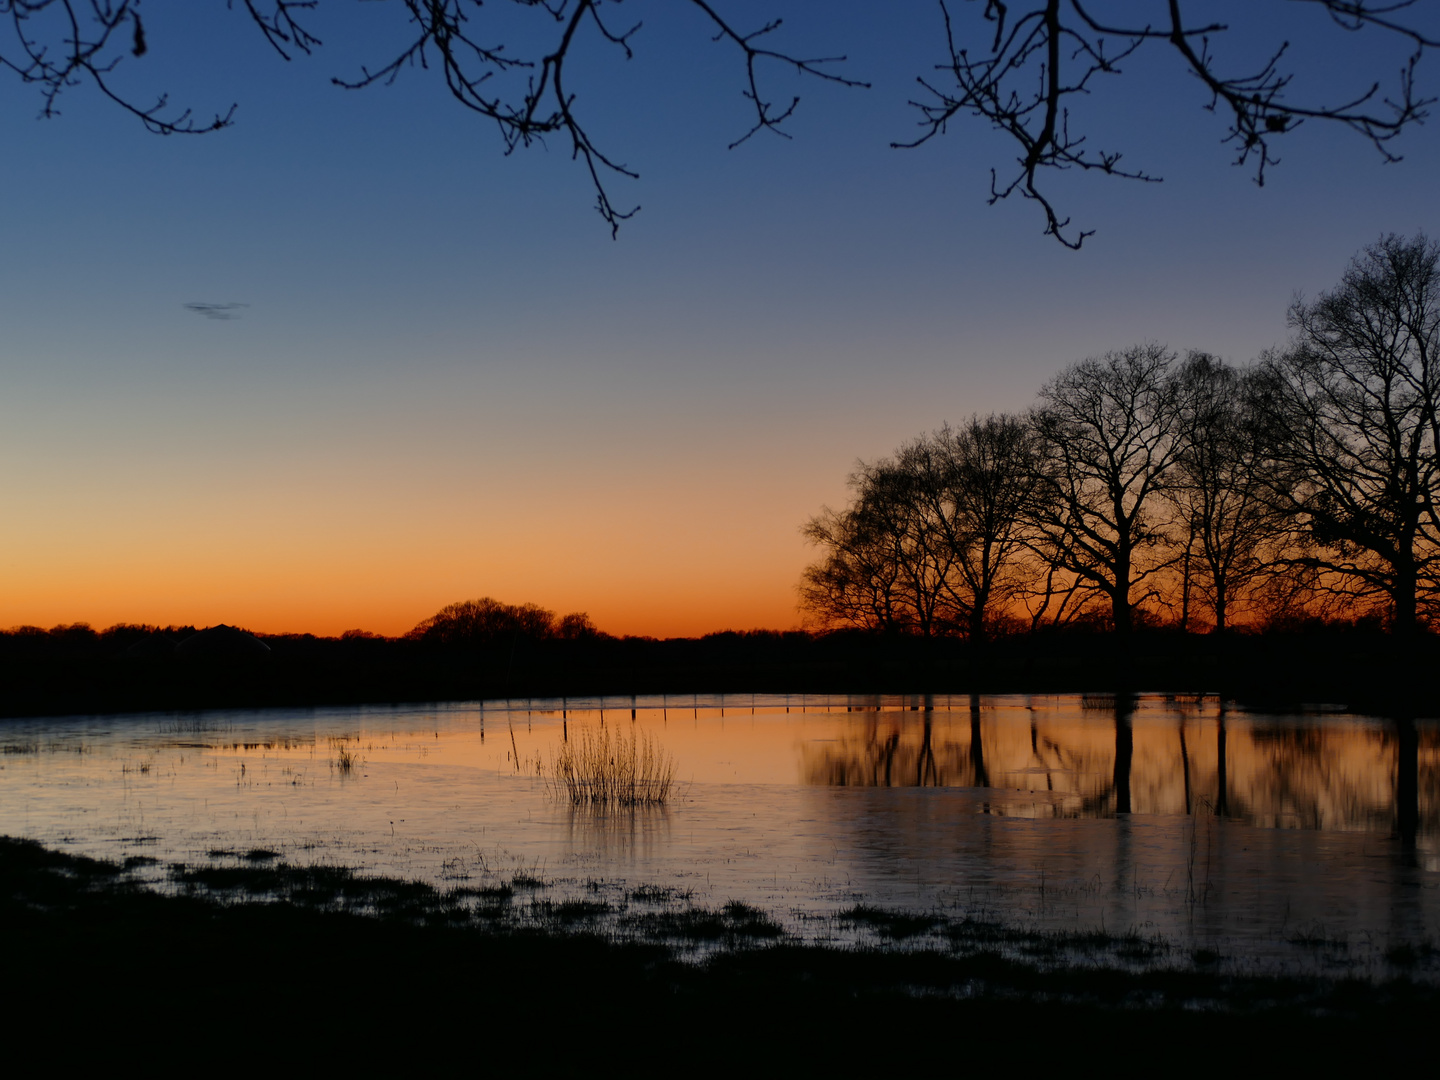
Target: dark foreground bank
<point>70,670</point>
<point>261,963</point>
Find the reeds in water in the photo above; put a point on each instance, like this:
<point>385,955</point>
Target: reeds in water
<point>596,768</point>
<point>345,759</point>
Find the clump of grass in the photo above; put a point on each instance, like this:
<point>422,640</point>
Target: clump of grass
<point>597,768</point>
<point>735,923</point>
<point>346,760</point>
<point>572,911</point>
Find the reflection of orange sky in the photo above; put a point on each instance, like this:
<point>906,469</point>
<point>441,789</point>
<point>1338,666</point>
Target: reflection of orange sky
<point>1330,774</point>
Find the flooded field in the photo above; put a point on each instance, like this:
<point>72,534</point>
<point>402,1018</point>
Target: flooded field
<point>1278,842</point>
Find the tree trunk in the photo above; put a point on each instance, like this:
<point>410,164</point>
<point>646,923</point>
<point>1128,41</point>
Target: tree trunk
<point>1185,587</point>
<point>977,616</point>
<point>1120,609</point>
<point>1403,596</point>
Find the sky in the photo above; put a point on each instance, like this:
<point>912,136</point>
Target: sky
<point>449,381</point>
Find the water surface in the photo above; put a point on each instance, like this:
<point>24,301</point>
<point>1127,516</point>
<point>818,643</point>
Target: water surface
<point>1278,841</point>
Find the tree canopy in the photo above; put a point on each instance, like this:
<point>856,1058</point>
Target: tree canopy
<point>1023,68</point>
<point>1142,487</point>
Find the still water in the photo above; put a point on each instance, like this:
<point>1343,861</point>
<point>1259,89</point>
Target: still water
<point>1279,841</point>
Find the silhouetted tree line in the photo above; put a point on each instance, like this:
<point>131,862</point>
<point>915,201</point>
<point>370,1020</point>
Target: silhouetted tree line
<point>128,667</point>
<point>488,622</point>
<point>1146,488</point>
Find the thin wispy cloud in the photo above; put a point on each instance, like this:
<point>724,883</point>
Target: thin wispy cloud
<point>216,311</point>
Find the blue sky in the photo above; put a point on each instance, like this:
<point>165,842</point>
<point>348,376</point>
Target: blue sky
<point>450,381</point>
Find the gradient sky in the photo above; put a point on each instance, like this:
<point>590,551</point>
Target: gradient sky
<point>450,382</point>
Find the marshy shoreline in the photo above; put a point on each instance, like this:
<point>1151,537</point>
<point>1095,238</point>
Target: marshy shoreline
<point>316,955</point>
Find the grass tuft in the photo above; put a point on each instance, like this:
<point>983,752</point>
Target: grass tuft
<point>597,768</point>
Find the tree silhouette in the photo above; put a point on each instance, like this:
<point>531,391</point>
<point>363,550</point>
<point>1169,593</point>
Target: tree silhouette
<point>1353,409</point>
<point>986,479</point>
<point>527,95</point>
<point>888,558</point>
<point>930,541</point>
<point>489,623</point>
<point>857,583</point>
<point>1019,66</point>
<point>1219,486</point>
<point>1046,56</point>
<point>1107,439</point>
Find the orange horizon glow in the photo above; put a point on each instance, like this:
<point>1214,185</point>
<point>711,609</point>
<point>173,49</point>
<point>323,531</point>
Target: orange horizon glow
<point>394,621</point>
<point>326,604</point>
<point>296,542</point>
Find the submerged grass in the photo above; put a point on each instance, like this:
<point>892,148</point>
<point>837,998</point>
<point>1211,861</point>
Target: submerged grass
<point>601,768</point>
<point>889,924</point>
<point>734,925</point>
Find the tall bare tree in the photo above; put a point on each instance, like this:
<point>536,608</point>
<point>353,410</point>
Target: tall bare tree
<point>929,543</point>
<point>1106,430</point>
<point>857,581</point>
<point>1353,412</point>
<point>1219,485</point>
<point>986,479</point>
<point>891,567</point>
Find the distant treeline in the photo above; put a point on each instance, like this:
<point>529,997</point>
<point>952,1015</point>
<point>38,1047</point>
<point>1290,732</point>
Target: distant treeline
<point>1147,489</point>
<point>485,649</point>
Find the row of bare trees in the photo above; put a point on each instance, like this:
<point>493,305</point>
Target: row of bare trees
<point>1147,487</point>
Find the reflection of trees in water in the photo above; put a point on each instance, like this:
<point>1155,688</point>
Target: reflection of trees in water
<point>944,749</point>
<point>1306,773</point>
<point>892,751</point>
<point>1427,780</point>
<point>1316,776</point>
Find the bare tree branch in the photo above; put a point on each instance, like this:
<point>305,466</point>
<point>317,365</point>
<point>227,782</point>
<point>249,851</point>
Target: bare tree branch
<point>1045,57</point>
